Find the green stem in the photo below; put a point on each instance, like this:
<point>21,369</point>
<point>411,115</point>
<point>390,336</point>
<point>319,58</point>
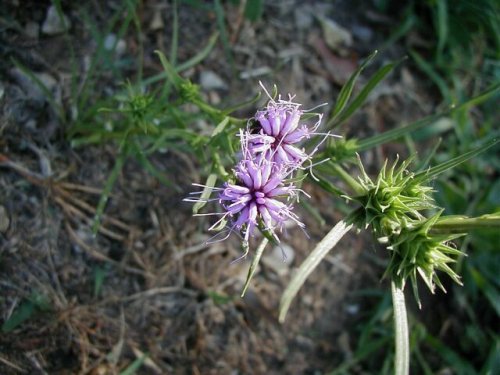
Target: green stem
<point>461,224</point>
<point>348,179</point>
<point>402,358</point>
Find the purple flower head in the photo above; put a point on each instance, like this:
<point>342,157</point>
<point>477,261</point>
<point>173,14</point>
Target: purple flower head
<point>257,197</point>
<point>278,133</point>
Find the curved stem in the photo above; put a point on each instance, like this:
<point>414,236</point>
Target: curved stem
<point>402,358</point>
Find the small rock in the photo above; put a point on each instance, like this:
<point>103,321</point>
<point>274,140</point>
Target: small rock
<point>363,33</point>
<point>211,81</point>
<point>279,259</point>
<point>4,219</point>
<point>303,18</point>
<point>257,72</point>
<point>32,30</point>
<point>335,35</point>
<point>111,42</point>
<point>31,89</point>
<point>53,24</point>
<point>157,21</point>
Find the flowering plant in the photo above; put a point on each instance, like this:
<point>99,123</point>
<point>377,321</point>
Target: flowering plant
<point>262,189</point>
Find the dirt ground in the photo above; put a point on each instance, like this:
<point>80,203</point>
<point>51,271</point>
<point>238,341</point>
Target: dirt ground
<point>165,292</point>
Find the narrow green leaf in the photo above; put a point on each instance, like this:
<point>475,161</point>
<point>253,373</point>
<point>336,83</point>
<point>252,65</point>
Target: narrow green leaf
<point>220,127</point>
<point>402,336</point>
<point>107,190</point>
<point>365,91</point>
<point>47,93</point>
<point>151,169</point>
<point>130,370</point>
<point>328,186</point>
<point>438,169</point>
<point>360,354</point>
<point>236,107</point>
<point>441,26</point>
<point>312,261</point>
<point>221,24</point>
<point>346,91</point>
<point>37,302</point>
<point>394,134</point>
<point>24,312</point>
<point>459,364</point>
<point>99,276</point>
<point>205,194</point>
<point>175,34</point>
<point>253,10</point>
<point>428,69</point>
<point>255,263</point>
<point>170,71</point>
<point>200,56</point>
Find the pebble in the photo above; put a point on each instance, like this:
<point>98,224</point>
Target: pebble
<point>335,35</point>
<point>32,30</point>
<point>209,80</point>
<point>109,43</point>
<point>303,18</point>
<point>363,33</point>
<point>279,259</point>
<point>53,24</point>
<point>156,21</point>
<point>4,219</point>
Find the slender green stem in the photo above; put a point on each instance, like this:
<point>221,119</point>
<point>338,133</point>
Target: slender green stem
<point>461,224</point>
<point>402,339</point>
<point>348,179</point>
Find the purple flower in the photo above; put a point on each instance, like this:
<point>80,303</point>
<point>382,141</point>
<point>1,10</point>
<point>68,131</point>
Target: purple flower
<point>278,133</point>
<point>256,197</point>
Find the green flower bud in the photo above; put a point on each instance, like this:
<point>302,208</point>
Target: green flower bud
<point>417,252</point>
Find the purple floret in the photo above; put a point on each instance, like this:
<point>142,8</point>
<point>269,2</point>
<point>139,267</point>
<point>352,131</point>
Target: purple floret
<point>255,197</point>
<point>278,133</point>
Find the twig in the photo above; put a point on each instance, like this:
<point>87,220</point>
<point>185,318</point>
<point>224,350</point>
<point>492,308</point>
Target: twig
<point>13,365</point>
<point>97,255</point>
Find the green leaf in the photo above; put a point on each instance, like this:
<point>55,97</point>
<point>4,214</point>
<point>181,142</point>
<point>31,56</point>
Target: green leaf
<point>312,261</point>
<point>365,91</point>
<point>152,170</point>
<point>428,69</point>
<point>253,10</point>
<point>99,276</point>
<point>392,135</point>
<point>193,61</point>
<point>461,366</point>
<point>205,194</point>
<point>130,370</point>
<point>37,302</point>
<point>255,263</point>
<point>107,190</point>
<point>220,127</point>
<point>170,71</point>
<point>434,171</point>
<point>200,56</point>
<point>346,91</point>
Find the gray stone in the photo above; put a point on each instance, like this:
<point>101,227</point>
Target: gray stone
<point>53,24</point>
<point>209,80</point>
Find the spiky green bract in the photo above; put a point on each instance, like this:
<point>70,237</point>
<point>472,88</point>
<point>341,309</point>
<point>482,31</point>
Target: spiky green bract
<point>417,252</point>
<point>392,205</point>
<point>393,201</point>
<point>342,150</point>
